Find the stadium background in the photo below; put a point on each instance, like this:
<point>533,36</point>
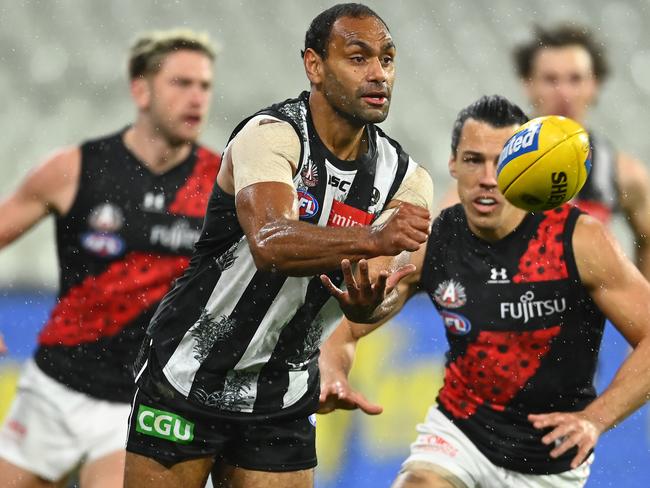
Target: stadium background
<point>63,80</point>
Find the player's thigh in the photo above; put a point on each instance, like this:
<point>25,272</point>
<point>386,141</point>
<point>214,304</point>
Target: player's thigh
<point>427,477</point>
<point>12,476</point>
<point>104,472</point>
<point>36,436</point>
<point>227,476</point>
<point>144,472</point>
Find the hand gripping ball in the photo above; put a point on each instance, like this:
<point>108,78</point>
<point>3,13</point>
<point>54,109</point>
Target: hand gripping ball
<point>545,163</point>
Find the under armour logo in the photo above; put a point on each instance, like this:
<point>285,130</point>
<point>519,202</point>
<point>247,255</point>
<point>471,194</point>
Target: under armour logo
<point>498,274</point>
<point>153,202</point>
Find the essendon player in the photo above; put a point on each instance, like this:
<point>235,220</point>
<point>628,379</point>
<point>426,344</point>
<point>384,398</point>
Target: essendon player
<point>128,210</point>
<point>523,297</point>
<point>562,69</point>
<point>231,370</point>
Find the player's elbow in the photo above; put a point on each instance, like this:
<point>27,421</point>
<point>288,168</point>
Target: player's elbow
<point>263,255</point>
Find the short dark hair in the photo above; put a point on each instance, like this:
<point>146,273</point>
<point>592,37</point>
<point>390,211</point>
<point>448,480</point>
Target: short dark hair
<point>561,35</point>
<point>496,110</point>
<point>150,50</point>
<point>320,29</point>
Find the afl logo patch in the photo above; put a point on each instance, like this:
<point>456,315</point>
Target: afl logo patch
<point>106,217</point>
<point>308,205</point>
<point>103,244</point>
<point>450,294</point>
<point>455,323</point>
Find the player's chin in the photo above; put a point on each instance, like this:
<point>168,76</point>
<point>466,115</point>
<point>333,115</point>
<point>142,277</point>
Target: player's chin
<point>187,135</point>
<point>375,115</point>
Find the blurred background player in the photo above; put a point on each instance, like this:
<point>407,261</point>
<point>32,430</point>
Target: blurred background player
<point>128,210</point>
<point>562,69</point>
<point>523,297</point>
<point>233,348</point>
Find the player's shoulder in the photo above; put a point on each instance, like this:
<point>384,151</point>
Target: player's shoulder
<point>57,174</point>
<point>588,233</point>
<point>449,222</point>
<point>62,160</point>
<point>631,168</point>
<point>104,142</point>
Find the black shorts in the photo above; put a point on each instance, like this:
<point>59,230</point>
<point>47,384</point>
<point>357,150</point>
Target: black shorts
<point>170,435</point>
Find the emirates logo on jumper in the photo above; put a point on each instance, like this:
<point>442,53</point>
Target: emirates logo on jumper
<point>343,215</point>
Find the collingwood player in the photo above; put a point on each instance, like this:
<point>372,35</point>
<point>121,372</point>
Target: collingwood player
<point>523,297</point>
<point>128,209</point>
<point>229,376</point>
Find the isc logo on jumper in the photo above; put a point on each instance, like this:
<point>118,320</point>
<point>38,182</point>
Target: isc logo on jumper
<point>521,143</point>
<point>455,323</point>
<point>164,425</point>
<point>308,205</point>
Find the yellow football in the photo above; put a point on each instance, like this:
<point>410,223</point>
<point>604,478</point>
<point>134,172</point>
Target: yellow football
<point>545,163</point>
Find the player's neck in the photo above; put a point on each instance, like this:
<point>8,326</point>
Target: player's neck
<point>152,149</point>
<point>345,139</point>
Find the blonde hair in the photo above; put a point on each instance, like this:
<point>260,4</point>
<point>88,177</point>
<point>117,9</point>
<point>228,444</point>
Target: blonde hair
<point>150,49</point>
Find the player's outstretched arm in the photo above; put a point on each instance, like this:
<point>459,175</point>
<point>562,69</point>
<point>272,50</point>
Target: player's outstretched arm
<point>51,187</point>
<point>263,161</point>
<point>622,293</point>
<point>337,353</point>
<point>634,190</point>
<point>335,363</point>
<point>279,241</point>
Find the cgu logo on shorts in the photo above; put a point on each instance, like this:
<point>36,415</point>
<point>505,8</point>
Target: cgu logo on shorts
<point>343,215</point>
<point>164,425</point>
<point>307,205</point>
<point>521,143</point>
<point>529,308</point>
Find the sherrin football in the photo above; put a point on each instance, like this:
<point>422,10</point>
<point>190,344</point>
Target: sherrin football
<point>545,163</point>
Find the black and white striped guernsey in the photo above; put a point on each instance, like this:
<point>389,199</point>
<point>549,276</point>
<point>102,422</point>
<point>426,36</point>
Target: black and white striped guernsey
<point>232,339</point>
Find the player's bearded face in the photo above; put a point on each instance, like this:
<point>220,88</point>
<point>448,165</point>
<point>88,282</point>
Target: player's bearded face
<point>180,96</point>
<point>359,69</point>
<point>562,82</point>
<point>489,214</point>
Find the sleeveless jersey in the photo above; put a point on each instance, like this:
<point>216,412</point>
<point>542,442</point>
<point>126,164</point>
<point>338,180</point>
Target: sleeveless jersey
<point>127,236</point>
<point>236,341</point>
<point>523,333</point>
<point>599,196</point>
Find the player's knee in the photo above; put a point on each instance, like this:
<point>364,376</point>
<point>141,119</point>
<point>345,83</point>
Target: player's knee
<point>421,478</point>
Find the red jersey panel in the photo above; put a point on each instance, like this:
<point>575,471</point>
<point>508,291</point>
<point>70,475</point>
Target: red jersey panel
<point>129,234</point>
<point>523,332</point>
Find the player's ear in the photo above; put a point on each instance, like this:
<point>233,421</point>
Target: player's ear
<point>313,66</point>
<point>141,92</point>
<point>452,166</point>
